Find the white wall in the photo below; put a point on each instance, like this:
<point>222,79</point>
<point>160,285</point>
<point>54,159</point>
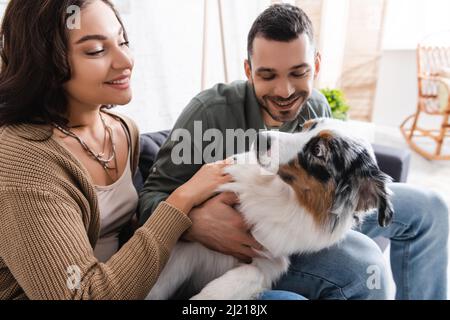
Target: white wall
<point>396,96</point>
<point>407,23</point>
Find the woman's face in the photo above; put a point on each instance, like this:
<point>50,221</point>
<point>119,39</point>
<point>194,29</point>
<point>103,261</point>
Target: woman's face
<point>100,59</point>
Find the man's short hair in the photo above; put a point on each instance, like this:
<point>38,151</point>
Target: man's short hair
<point>280,22</point>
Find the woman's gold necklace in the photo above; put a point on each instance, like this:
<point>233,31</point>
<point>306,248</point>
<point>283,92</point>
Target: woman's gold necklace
<point>99,157</point>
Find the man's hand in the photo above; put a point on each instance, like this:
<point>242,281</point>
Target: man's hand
<point>219,227</point>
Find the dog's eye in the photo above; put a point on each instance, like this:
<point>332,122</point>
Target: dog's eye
<point>286,177</point>
<point>317,151</point>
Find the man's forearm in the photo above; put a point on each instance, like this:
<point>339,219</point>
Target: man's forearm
<point>166,175</point>
<point>148,202</point>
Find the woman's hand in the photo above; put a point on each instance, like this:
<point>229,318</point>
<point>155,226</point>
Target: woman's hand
<point>201,186</point>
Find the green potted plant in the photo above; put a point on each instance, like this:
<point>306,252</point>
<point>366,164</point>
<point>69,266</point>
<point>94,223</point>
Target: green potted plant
<point>337,102</point>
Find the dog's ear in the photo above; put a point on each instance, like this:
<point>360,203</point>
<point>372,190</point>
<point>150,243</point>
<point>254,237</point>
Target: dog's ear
<point>374,193</point>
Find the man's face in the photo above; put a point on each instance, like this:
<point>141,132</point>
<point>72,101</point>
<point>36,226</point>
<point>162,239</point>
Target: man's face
<point>282,74</point>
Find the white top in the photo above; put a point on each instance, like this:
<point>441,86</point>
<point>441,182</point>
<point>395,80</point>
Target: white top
<point>117,202</point>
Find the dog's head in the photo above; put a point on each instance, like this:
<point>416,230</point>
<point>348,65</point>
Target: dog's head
<point>333,174</point>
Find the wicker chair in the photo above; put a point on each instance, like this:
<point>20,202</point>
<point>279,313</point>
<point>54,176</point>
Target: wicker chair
<point>433,63</point>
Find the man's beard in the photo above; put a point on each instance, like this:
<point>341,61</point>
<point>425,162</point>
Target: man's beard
<point>279,118</point>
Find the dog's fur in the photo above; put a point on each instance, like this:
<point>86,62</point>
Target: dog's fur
<point>301,193</point>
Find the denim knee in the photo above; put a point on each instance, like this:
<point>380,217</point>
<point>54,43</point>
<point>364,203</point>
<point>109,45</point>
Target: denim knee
<point>368,276</point>
<point>419,211</point>
<point>431,212</point>
<point>353,269</point>
<point>438,212</point>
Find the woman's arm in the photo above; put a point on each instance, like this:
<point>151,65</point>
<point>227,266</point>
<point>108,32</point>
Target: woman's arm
<point>201,186</point>
<point>44,243</point>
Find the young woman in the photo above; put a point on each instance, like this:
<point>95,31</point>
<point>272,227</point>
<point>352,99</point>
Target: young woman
<point>67,162</point>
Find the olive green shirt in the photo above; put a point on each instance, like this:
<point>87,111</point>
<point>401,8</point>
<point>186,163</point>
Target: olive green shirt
<point>225,106</point>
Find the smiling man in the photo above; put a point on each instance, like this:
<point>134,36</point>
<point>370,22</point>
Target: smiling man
<point>281,67</point>
<point>281,73</point>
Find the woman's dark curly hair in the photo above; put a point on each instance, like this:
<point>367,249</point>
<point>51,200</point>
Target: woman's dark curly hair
<point>34,60</point>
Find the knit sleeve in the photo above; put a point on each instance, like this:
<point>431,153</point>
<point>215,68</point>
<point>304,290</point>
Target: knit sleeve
<point>44,243</point>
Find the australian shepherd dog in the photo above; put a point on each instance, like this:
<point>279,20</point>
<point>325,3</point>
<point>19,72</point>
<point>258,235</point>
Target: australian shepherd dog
<point>300,193</point>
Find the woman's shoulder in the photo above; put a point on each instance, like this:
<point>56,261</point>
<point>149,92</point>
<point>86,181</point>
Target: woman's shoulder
<point>22,139</point>
<point>128,122</point>
<point>28,155</point>
<point>26,132</point>
<point>129,125</point>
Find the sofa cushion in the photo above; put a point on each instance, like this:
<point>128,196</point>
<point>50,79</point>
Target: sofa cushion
<point>393,161</point>
<point>150,143</point>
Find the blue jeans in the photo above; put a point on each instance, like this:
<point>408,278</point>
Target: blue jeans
<point>355,268</point>
<point>280,295</point>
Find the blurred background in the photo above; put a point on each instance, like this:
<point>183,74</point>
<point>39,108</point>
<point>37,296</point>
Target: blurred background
<point>368,48</point>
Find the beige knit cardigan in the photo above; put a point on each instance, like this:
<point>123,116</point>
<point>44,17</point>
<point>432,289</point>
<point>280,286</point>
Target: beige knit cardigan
<point>49,224</point>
